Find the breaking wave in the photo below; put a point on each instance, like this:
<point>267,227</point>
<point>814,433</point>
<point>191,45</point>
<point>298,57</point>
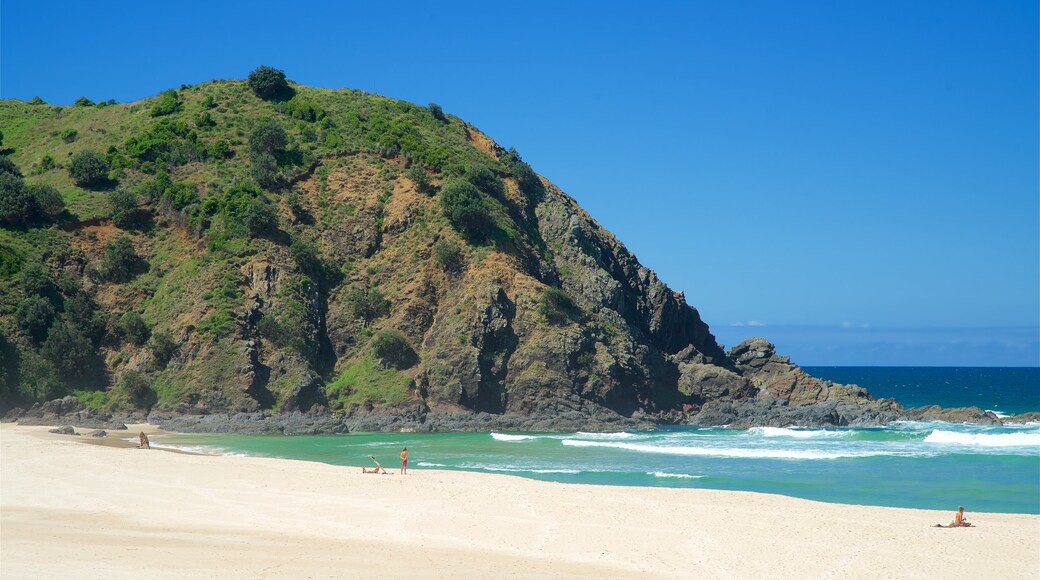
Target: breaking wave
<point>745,453</point>
<point>985,439</point>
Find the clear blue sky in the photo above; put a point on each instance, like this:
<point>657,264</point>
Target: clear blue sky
<point>819,173</point>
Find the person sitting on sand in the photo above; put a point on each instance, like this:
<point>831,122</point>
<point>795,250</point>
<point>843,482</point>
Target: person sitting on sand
<point>144,443</point>
<point>958,519</point>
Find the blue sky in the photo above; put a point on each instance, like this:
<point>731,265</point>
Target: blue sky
<point>811,172</point>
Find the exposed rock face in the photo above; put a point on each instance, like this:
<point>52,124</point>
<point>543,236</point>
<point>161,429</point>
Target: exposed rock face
<point>954,415</point>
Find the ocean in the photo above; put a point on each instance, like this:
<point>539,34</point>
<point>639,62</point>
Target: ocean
<point>910,464</point>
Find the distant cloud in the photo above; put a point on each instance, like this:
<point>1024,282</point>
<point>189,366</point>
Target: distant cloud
<point>846,324</point>
<point>748,323</point>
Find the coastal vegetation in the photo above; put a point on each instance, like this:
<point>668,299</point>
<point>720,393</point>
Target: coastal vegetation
<point>261,245</point>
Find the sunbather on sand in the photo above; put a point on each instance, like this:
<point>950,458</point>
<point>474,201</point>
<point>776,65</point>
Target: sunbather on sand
<point>958,520</point>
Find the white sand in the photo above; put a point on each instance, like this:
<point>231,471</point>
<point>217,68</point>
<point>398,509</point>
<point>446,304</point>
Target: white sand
<point>74,510</point>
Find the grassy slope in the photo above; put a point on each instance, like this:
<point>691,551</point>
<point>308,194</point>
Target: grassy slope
<point>194,288</point>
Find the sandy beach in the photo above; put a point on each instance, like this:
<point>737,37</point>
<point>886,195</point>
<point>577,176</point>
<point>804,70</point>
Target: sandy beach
<point>73,509</point>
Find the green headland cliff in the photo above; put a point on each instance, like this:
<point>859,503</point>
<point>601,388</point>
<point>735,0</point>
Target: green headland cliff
<point>267,248</point>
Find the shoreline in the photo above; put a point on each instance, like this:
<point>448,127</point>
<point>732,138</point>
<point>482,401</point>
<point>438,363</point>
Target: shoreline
<point>68,509</point>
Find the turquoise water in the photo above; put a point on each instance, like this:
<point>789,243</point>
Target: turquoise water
<point>917,465</point>
<point>920,465</point>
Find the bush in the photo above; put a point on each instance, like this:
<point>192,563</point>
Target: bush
<point>367,305</point>
<point>120,261</point>
<point>133,328</point>
<point>422,183</point>
<point>169,103</point>
<point>8,166</point>
<point>18,205</point>
<point>260,217</point>
<point>391,348</point>
<point>88,168</point>
<point>267,137</point>
<point>48,200</point>
<point>34,316</point>
<point>269,83</point>
<point>70,351</point>
<point>204,120</point>
<point>68,135</point>
<point>265,171</point>
<point>163,348</point>
<point>124,208</point>
<point>448,256</point>
<point>437,113</point>
<point>168,140</point>
<point>468,211</point>
<point>83,102</point>
<point>526,179</point>
<point>304,110</point>
<point>133,389</point>
<point>557,307</point>
<point>220,149</point>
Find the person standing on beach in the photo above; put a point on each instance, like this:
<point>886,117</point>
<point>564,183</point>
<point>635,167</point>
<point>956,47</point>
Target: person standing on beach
<point>404,461</point>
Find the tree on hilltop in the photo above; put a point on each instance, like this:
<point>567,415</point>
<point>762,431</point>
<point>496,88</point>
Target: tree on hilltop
<point>269,84</point>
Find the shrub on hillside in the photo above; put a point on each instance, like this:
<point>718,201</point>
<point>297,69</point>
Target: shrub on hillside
<point>83,102</point>
<point>367,304</point>
<point>557,307</point>
<point>134,391</point>
<point>34,316</point>
<point>267,137</point>
<point>303,110</point>
<point>124,208</point>
<point>70,351</point>
<point>48,199</point>
<point>169,103</point>
<point>260,218</point>
<point>68,135</point>
<point>18,205</point>
<point>418,176</point>
<point>168,140</point>
<point>526,179</point>
<point>88,168</point>
<point>21,203</point>
<point>269,83</point>
<point>8,166</point>
<point>120,260</point>
<point>163,348</point>
<point>448,256</point>
<point>133,328</point>
<point>437,112</point>
<point>468,211</point>
<point>485,180</point>
<point>204,120</point>
<point>391,348</point>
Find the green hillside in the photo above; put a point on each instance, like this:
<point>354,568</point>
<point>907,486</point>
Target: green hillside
<point>261,245</point>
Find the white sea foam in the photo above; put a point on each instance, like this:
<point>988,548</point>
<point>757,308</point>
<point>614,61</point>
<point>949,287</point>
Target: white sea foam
<point>744,453</point>
<point>985,439</point>
<point>674,475</point>
<point>507,437</point>
<point>606,436</point>
<point>195,449</point>
<point>796,433</point>
<point>521,470</point>
<point>999,414</point>
<point>427,464</point>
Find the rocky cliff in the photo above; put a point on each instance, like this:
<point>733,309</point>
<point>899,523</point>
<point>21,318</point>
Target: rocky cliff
<point>345,261</point>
